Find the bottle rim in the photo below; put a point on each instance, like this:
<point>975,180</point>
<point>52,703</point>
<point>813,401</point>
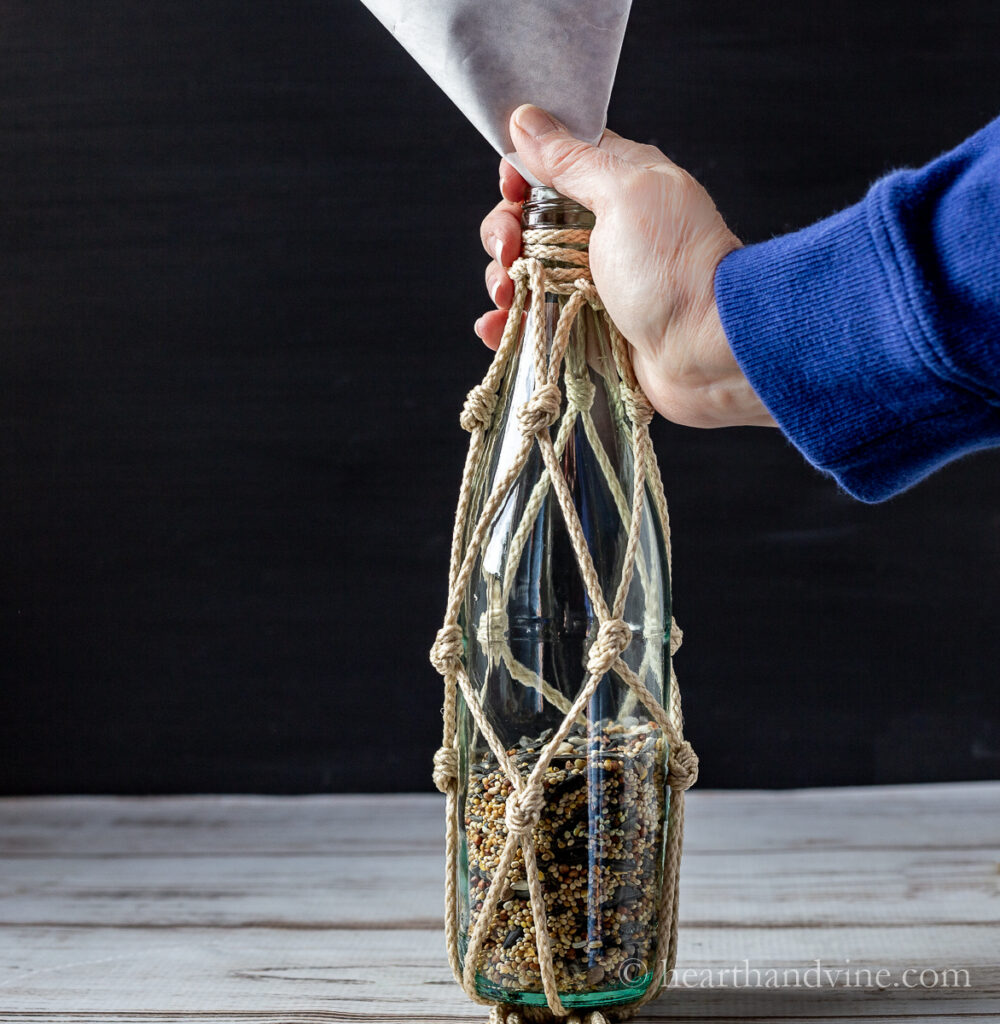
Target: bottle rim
<point>545,207</point>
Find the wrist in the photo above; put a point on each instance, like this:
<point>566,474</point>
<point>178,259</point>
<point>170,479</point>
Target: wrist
<point>733,402</point>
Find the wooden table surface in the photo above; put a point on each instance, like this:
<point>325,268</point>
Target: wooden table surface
<point>322,909</point>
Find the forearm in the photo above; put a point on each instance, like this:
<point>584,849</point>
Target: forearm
<point>873,337</point>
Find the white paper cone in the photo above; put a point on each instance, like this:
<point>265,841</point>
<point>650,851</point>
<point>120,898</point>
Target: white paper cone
<point>490,56</point>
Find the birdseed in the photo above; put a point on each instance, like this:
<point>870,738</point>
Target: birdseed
<point>599,846</point>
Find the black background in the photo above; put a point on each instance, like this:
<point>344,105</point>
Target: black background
<point>240,266</point>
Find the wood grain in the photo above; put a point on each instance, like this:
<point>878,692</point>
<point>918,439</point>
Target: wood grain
<point>323,909</point>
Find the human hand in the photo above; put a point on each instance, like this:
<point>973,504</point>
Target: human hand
<point>653,252</point>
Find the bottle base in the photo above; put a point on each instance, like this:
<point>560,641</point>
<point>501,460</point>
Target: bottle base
<point>577,1000</point>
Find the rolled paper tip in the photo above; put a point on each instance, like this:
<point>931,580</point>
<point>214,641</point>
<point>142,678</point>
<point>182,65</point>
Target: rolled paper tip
<point>489,58</point>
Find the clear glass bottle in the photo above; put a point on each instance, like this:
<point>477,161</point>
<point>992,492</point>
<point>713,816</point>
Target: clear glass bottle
<point>528,625</point>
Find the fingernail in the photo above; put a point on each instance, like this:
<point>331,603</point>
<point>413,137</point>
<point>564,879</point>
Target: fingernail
<point>494,288</point>
<point>478,327</point>
<point>498,250</point>
<point>534,121</point>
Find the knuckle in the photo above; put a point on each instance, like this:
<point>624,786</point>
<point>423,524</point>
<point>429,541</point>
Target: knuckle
<point>687,184</point>
<point>493,223</point>
<point>490,237</point>
<point>684,184</point>
<point>499,226</point>
<point>634,179</point>
<point>566,157</point>
<point>651,154</point>
<point>638,188</point>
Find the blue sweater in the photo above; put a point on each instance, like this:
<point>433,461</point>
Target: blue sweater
<point>873,337</point>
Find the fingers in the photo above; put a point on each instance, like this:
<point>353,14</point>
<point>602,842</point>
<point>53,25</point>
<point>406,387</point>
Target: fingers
<point>500,232</point>
<point>499,285</point>
<point>512,185</point>
<point>589,174</point>
<point>490,327</point>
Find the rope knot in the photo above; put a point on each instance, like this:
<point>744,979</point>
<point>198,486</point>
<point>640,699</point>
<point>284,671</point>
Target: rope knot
<point>676,638</point>
<point>637,405</point>
<point>523,809</point>
<point>613,636</point>
<point>445,767</point>
<point>541,410</point>
<point>446,653</point>
<point>580,392</point>
<point>519,269</point>
<point>501,1013</point>
<point>682,767</point>
<point>478,409</point>
<point>585,285</point>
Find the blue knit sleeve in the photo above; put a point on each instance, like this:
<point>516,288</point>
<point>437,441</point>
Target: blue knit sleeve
<point>873,337</point>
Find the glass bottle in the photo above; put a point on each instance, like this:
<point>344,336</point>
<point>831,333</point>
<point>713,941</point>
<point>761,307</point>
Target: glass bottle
<point>528,624</point>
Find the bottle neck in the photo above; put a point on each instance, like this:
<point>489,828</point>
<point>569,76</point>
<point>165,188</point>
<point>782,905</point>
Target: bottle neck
<point>544,207</point>
<point>545,212</point>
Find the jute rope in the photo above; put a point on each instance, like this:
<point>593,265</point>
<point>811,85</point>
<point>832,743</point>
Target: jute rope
<point>534,277</point>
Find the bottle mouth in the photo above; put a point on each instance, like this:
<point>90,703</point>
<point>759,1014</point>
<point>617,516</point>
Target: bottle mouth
<point>538,193</point>
<point>544,207</point>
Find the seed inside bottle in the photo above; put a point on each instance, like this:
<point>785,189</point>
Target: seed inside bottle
<point>598,844</point>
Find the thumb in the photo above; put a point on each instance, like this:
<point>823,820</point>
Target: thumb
<point>584,173</point>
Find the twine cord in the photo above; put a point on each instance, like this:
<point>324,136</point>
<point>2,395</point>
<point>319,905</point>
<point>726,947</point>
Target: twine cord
<point>533,279</point>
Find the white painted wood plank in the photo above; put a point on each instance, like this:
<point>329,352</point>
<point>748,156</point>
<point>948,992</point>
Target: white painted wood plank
<point>229,892</point>
<point>401,975</point>
<point>220,825</point>
<point>950,816</point>
<point>775,889</point>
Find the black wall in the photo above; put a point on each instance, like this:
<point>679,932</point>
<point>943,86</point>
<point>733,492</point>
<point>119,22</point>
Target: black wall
<point>239,267</point>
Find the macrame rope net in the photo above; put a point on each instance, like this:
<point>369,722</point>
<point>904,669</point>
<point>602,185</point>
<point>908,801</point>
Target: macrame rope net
<point>533,278</point>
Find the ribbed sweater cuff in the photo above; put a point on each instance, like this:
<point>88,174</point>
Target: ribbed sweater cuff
<point>812,321</point>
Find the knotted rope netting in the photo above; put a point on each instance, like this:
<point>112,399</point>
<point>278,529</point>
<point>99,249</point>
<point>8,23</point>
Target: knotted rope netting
<point>532,274</point>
